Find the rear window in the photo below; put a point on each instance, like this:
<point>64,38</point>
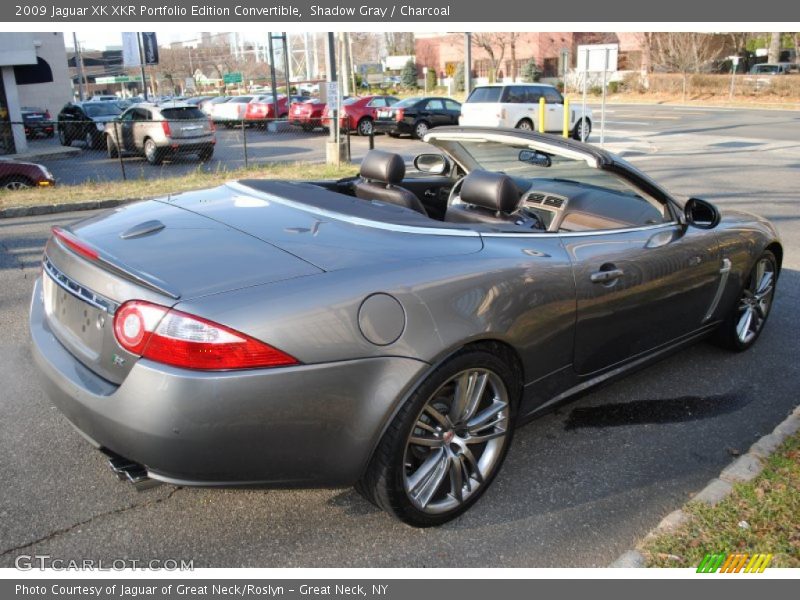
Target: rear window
<point>182,113</point>
<point>242,99</point>
<point>485,94</point>
<point>102,109</point>
<point>407,102</point>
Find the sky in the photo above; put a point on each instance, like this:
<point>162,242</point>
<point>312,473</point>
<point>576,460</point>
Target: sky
<point>100,40</point>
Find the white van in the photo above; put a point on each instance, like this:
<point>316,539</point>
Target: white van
<point>517,105</point>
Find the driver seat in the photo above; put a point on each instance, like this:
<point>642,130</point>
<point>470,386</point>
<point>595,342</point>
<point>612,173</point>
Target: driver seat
<point>489,198</point>
<point>379,175</point>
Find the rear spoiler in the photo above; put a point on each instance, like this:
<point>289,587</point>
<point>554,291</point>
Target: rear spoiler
<point>70,241</point>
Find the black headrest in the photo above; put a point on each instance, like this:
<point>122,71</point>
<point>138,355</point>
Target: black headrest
<point>383,166</point>
<point>494,191</point>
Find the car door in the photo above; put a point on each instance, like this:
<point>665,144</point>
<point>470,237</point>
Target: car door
<point>639,289</point>
<point>453,109</point>
<point>554,110</point>
<point>434,112</point>
<point>124,129</point>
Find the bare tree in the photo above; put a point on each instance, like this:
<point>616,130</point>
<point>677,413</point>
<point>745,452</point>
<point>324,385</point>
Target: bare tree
<point>774,53</point>
<point>512,44</point>
<point>796,38</point>
<point>399,43</point>
<point>683,53</point>
<point>494,44</point>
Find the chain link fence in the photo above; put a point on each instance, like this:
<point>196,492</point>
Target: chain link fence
<point>91,151</point>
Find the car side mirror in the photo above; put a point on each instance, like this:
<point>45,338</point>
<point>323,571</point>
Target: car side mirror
<point>433,164</point>
<point>701,214</point>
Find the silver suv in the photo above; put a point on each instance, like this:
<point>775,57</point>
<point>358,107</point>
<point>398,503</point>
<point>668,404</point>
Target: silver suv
<point>158,132</point>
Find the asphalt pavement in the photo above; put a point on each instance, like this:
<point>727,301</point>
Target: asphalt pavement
<point>580,486</point>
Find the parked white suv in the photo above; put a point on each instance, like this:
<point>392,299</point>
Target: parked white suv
<point>517,105</point>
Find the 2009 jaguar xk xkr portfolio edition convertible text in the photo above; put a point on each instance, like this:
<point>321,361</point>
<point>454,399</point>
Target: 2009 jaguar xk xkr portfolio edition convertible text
<point>384,331</point>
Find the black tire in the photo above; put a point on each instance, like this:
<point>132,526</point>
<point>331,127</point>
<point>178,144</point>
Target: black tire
<point>525,125</point>
<point>153,153</point>
<point>111,148</point>
<point>576,131</point>
<point>16,182</point>
<point>392,134</point>
<point>727,334</point>
<point>307,128</point>
<point>63,139</point>
<point>383,481</point>
<point>365,127</point>
<point>206,154</point>
<point>50,134</point>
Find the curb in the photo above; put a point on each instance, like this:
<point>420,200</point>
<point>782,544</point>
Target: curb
<point>745,468</point>
<point>13,212</point>
<point>37,155</point>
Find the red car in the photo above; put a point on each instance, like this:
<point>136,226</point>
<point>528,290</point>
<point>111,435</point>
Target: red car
<point>263,107</point>
<point>15,175</point>
<point>358,113</point>
<point>307,113</point>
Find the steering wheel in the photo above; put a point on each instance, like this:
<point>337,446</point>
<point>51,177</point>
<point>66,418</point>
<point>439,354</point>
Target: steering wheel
<point>455,191</point>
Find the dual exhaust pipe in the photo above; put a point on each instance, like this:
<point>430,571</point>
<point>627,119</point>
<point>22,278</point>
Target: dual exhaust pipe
<point>131,472</point>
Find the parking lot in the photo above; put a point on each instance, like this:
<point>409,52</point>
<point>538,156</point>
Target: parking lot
<point>580,486</point>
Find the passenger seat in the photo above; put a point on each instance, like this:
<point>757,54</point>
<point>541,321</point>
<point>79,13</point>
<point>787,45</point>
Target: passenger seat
<point>379,175</point>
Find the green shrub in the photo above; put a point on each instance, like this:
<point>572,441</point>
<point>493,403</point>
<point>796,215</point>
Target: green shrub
<point>409,74</point>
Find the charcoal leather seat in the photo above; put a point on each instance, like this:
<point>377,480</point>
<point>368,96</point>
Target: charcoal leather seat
<point>492,199</point>
<point>379,175</point>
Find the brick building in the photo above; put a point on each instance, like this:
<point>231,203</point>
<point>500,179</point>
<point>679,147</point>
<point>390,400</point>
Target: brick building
<point>443,51</point>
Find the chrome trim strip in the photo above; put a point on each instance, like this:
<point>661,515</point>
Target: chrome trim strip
<point>77,290</point>
<point>723,280</point>
<point>429,230</point>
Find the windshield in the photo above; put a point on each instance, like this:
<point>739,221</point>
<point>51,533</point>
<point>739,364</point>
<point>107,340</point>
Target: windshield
<point>494,156</point>
<point>102,109</point>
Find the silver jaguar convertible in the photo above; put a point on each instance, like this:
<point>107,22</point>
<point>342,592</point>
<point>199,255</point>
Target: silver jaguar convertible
<point>387,331</point>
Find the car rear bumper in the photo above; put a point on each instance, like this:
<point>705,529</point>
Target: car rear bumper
<point>305,426</point>
<point>184,145</point>
<point>396,127</point>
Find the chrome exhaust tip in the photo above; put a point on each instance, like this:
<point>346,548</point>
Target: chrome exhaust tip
<point>130,472</point>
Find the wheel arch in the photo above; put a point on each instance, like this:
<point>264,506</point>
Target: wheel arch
<point>489,343</point>
<point>776,248</point>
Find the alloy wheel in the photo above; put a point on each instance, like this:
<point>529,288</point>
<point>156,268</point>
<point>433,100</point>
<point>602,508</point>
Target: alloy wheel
<point>365,127</point>
<point>457,441</point>
<point>89,140</point>
<point>755,301</point>
<point>421,130</point>
<point>16,184</point>
<point>525,125</point>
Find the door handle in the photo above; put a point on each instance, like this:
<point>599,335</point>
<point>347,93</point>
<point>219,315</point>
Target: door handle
<point>606,276</point>
<point>429,193</point>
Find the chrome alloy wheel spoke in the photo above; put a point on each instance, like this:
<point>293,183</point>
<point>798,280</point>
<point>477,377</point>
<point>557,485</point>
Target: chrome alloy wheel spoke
<point>456,441</point>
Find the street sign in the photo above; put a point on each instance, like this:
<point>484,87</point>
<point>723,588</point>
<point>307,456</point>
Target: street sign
<point>118,79</point>
<point>233,77</point>
<point>450,69</point>
<point>332,93</point>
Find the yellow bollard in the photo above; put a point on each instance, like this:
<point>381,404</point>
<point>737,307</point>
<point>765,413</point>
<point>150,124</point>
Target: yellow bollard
<point>566,118</point>
<point>541,114</point>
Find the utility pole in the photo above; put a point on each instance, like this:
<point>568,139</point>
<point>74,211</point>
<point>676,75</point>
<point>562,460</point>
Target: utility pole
<point>141,65</point>
<point>272,79</point>
<point>79,66</point>
<point>286,68</point>
<point>307,55</point>
<point>467,63</point>
<point>334,147</point>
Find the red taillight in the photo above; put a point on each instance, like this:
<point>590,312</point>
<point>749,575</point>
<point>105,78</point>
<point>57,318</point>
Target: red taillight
<point>182,340</point>
<point>166,128</point>
<point>73,243</point>
<point>399,113</point>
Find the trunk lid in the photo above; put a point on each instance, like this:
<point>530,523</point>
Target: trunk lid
<point>149,251</point>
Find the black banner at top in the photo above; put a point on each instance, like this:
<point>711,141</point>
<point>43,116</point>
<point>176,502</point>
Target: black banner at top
<point>414,11</point>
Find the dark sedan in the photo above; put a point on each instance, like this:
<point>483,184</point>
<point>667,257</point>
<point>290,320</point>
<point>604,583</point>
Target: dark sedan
<point>37,121</point>
<point>86,121</point>
<point>415,116</point>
